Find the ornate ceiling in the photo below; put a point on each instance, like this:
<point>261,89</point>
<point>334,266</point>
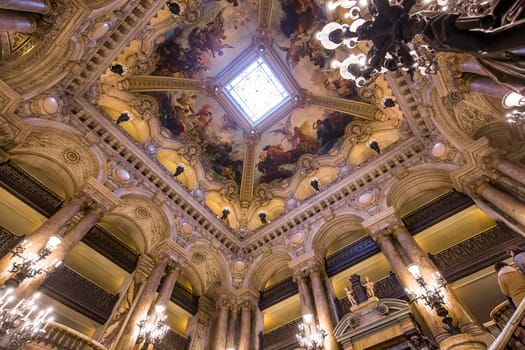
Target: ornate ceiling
<point>174,89</point>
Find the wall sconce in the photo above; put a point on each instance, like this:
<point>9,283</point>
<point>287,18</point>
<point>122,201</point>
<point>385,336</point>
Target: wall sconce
<point>513,99</point>
<point>516,117</point>
<point>152,332</point>
<point>315,184</point>
<point>173,7</point>
<point>225,213</point>
<point>179,170</point>
<point>432,297</point>
<point>389,102</point>
<point>118,68</point>
<point>33,265</point>
<point>308,338</point>
<point>124,117</point>
<point>373,145</point>
<point>262,216</point>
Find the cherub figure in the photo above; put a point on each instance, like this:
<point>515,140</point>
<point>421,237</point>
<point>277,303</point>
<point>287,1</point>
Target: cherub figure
<point>350,296</point>
<point>369,287</point>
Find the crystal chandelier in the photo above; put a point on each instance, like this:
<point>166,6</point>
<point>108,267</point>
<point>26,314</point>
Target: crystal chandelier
<point>152,331</point>
<point>21,323</point>
<point>33,265</point>
<point>432,296</point>
<point>308,337</point>
<point>377,36</point>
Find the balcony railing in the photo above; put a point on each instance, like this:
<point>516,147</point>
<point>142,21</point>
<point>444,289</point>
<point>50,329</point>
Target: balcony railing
<point>439,209</point>
<point>282,338</point>
<point>512,335</point>
<point>73,290</point>
<point>351,255</point>
<point>277,292</point>
<point>184,298</point>
<point>476,253</point>
<point>173,341</point>
<point>60,337</point>
<point>8,241</point>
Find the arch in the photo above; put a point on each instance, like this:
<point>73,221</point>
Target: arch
<point>343,229</point>
<point>265,266</point>
<point>210,266</point>
<point>421,179</point>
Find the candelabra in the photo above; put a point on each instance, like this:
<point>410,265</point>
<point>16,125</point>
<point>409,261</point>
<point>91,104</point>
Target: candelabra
<point>432,295</point>
<point>152,331</point>
<point>23,322</point>
<point>310,339</point>
<point>400,34</point>
<point>33,265</point>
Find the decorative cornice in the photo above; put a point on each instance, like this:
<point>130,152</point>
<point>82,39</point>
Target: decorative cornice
<point>100,194</point>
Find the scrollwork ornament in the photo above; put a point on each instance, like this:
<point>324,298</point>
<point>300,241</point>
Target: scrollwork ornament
<point>357,132</point>
<point>353,321</point>
<point>382,308</point>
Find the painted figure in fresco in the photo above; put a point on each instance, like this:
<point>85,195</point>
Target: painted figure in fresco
<point>344,87</point>
<point>331,129</point>
<point>210,37</point>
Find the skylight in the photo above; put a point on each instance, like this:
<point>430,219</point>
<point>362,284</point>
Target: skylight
<point>257,91</point>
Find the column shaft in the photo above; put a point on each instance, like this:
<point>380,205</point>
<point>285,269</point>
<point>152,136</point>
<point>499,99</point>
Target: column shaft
<point>507,203</point>
<point>167,286</point>
<point>246,327</point>
<point>70,240</point>
<point>41,235</point>
<point>428,269</point>
<point>512,169</point>
<point>232,327</point>
<point>323,310</point>
<point>222,327</point>
<point>35,6</point>
<point>20,22</point>
<point>141,308</point>
<point>307,304</point>
<point>487,86</point>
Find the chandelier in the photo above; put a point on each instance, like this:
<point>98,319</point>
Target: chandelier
<point>432,296</point>
<point>378,36</point>
<point>152,331</point>
<point>33,265</point>
<point>23,322</point>
<point>308,337</point>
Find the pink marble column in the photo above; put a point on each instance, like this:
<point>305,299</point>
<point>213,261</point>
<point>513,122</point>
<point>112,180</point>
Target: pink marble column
<point>323,309</point>
<point>505,202</point>
<point>167,286</point>
<point>307,303</point>
<point>470,65</point>
<point>34,6</point>
<point>20,22</point>
<point>69,241</point>
<point>131,329</point>
<point>246,326</point>
<point>222,326</point>
<point>232,327</point>
<point>487,86</point>
<point>428,269</point>
<point>512,169</point>
<point>41,235</point>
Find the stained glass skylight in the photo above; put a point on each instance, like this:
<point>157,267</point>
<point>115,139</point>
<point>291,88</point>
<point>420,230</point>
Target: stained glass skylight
<point>257,91</point>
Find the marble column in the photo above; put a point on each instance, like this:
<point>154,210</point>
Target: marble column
<point>20,22</point>
<point>246,326</point>
<point>222,326</point>
<point>323,309</point>
<point>130,333</point>
<point>41,235</point>
<point>34,6</point>
<point>485,86</point>
<point>307,304</point>
<point>69,241</point>
<point>231,340</point>
<point>380,228</point>
<point>428,269</point>
<point>512,169</point>
<point>503,201</point>
<point>167,285</point>
<point>129,292</point>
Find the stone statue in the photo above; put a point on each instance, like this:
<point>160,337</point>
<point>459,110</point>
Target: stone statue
<point>350,296</point>
<point>369,287</point>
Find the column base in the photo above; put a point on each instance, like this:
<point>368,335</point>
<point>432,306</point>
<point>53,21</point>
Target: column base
<point>462,342</point>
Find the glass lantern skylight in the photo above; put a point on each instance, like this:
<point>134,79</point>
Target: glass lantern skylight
<point>256,91</point>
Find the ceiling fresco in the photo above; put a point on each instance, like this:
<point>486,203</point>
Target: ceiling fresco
<point>210,52</point>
